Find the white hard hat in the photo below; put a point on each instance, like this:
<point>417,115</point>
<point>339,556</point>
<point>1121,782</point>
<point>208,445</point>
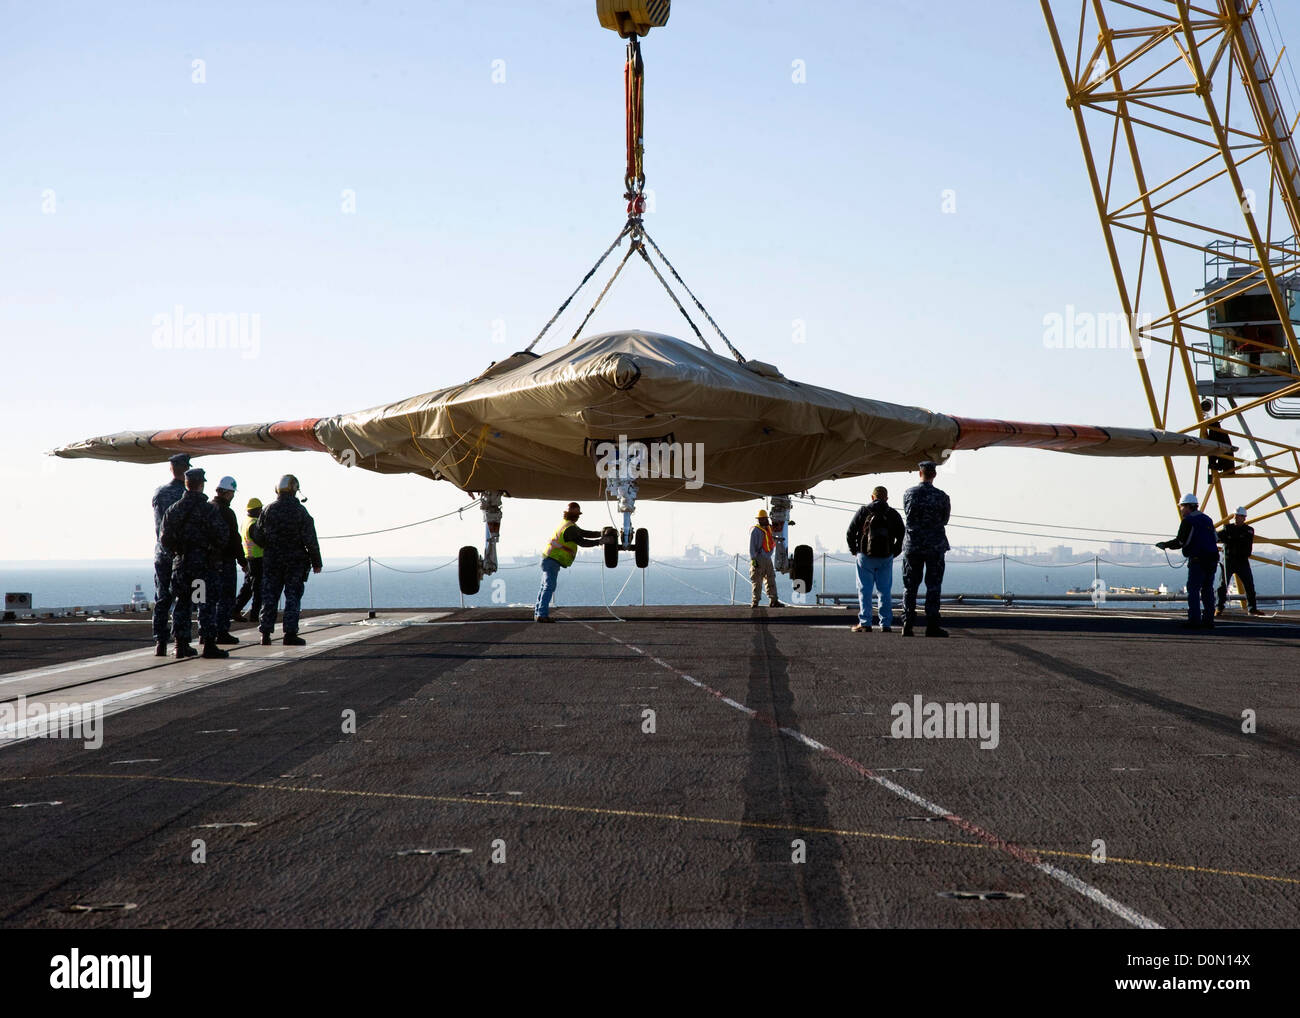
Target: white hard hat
<point>227,483</point>
<point>1189,500</point>
<point>1241,510</point>
<point>287,483</point>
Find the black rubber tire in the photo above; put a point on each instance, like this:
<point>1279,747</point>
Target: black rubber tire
<point>611,555</point>
<point>801,570</point>
<point>642,548</point>
<point>469,577</point>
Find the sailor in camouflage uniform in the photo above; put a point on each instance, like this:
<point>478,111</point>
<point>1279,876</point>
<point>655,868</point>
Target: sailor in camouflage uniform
<point>926,510</point>
<point>287,534</point>
<point>163,499</point>
<point>232,554</point>
<point>194,532</point>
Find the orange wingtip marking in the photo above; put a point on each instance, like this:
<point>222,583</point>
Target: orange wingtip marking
<point>298,434</point>
<point>977,433</point>
<point>194,440</point>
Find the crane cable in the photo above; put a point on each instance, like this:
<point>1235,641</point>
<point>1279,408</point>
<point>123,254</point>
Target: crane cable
<point>634,101</point>
<point>634,193</point>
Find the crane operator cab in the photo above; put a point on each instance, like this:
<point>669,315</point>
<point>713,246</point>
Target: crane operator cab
<point>1248,343</point>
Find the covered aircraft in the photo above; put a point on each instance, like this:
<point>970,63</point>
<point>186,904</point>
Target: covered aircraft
<point>636,413</point>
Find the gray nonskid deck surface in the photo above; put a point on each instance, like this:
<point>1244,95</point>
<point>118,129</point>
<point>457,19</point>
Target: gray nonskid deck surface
<point>527,744</point>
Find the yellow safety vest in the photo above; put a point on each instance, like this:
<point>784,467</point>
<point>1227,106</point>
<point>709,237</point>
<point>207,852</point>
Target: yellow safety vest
<point>563,552</point>
<point>251,548</point>
<point>769,539</point>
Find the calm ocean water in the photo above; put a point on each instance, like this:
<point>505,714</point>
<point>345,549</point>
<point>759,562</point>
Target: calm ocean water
<point>419,583</point>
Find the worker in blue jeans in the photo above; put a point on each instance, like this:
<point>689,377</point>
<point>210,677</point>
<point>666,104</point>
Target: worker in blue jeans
<point>875,536</point>
<point>1197,538</point>
<point>559,554</point>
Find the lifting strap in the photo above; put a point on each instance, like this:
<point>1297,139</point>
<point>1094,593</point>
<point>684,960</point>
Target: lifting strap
<point>634,192</point>
<point>634,100</point>
<point>590,272</point>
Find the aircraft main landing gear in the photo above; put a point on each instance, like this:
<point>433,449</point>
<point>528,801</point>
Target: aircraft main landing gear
<point>800,566</point>
<point>621,485</point>
<point>473,566</point>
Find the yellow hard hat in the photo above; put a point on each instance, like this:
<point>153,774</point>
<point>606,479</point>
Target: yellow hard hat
<point>762,515</point>
<point>254,503</point>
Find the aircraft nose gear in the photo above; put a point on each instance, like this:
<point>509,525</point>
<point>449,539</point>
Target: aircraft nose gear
<point>800,568</point>
<point>621,485</point>
<point>473,566</point>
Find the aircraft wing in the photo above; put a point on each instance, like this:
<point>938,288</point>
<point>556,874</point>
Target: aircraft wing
<point>535,427</point>
<point>1088,440</point>
<point>157,446</point>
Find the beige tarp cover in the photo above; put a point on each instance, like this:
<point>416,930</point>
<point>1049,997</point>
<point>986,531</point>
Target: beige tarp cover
<point>530,426</point>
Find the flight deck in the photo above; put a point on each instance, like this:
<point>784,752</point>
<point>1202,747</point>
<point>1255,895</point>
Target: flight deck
<point>665,767</point>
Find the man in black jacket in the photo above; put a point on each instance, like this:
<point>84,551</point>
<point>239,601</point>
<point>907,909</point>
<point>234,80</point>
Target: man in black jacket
<point>232,554</point>
<point>287,534</point>
<point>875,536</point>
<point>1238,541</point>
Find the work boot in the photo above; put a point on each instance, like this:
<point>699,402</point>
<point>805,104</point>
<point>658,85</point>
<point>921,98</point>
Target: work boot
<point>266,639</point>
<point>294,640</point>
<point>226,637</point>
<point>860,628</point>
<point>1218,613</point>
<point>160,648</point>
<point>908,629</point>
<point>542,618</point>
<point>1256,611</point>
<point>240,617</point>
<point>935,631</point>
<point>184,650</point>
<point>776,604</point>
<point>211,650</point>
<point>886,629</point>
<point>753,604</point>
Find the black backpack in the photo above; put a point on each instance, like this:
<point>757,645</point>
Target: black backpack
<point>876,540</point>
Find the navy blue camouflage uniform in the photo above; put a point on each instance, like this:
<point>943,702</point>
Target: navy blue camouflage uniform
<point>232,554</point>
<point>163,499</point>
<point>1197,539</point>
<point>926,510</point>
<point>290,551</point>
<point>194,532</point>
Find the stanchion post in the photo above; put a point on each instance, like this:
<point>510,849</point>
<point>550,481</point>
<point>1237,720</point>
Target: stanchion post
<point>370,582</point>
<point>823,572</point>
<point>643,572</point>
<point>1004,574</point>
<point>734,563</point>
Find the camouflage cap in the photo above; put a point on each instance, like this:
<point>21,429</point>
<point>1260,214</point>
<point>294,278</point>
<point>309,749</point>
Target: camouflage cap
<point>195,474</point>
<point>181,459</point>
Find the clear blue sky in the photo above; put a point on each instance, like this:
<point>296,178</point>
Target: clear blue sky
<point>479,202</point>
